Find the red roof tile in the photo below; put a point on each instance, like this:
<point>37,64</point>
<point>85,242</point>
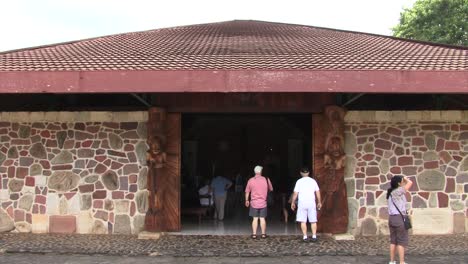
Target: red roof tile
<point>238,45</point>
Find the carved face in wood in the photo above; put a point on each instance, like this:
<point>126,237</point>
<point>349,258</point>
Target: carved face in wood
<point>155,146</point>
<point>335,147</point>
<point>335,116</point>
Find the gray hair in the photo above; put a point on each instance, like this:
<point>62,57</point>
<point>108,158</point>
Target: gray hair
<point>258,169</point>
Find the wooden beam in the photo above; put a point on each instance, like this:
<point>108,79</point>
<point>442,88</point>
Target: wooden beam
<point>235,81</point>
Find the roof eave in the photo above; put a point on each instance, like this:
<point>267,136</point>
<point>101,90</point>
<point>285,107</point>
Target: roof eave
<point>227,81</point>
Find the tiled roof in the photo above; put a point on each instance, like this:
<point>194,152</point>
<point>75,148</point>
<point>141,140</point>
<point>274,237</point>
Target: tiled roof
<point>238,45</point>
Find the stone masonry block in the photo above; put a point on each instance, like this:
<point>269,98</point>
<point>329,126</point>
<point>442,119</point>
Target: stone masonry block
<point>52,203</point>
<point>41,180</point>
<point>51,116</point>
<point>4,195</point>
<point>4,116</point>
<point>414,115</point>
<point>37,116</point>
<point>66,116</point>
<point>140,116</point>
<point>426,116</point>
<point>82,116</point>
<point>383,115</point>
<point>19,116</point>
<point>352,116</point>
<point>129,116</point>
<point>101,116</point>
<point>398,115</point>
<point>451,115</point>
<point>367,116</point>
<point>435,116</point>
<point>144,116</point>
<point>459,223</point>
<point>62,224</point>
<point>121,117</point>
<point>434,221</point>
<point>85,223</point>
<point>40,223</point>
<point>74,204</point>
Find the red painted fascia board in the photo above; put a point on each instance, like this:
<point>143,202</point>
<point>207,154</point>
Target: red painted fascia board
<point>226,81</point>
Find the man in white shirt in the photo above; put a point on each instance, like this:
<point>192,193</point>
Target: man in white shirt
<point>307,190</point>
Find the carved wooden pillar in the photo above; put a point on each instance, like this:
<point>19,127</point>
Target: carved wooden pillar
<point>329,157</point>
<point>318,143</point>
<point>163,161</point>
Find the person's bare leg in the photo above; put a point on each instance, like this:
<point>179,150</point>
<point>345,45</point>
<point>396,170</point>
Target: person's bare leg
<point>401,253</point>
<point>285,215</point>
<point>254,225</point>
<point>263,225</point>
<point>313,226</point>
<point>222,203</point>
<point>304,228</point>
<point>217,206</point>
<point>392,252</point>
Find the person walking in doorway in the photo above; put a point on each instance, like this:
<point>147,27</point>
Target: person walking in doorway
<point>399,185</point>
<point>257,188</point>
<point>220,185</point>
<point>307,191</point>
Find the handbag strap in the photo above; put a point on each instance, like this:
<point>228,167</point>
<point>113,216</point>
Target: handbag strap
<point>402,217</point>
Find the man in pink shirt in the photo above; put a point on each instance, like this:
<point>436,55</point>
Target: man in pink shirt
<point>258,187</point>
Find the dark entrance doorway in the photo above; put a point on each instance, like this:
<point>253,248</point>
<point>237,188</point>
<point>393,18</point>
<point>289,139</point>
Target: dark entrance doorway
<point>231,145</point>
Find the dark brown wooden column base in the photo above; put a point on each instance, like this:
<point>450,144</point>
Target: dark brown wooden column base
<point>150,222</point>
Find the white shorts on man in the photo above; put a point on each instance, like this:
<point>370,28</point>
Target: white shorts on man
<point>306,212</point>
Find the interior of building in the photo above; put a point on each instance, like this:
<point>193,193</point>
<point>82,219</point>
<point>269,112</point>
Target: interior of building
<point>231,145</point>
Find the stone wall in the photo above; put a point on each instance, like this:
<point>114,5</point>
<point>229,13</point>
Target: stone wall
<point>64,172</point>
<point>430,147</point>
<point>85,172</point>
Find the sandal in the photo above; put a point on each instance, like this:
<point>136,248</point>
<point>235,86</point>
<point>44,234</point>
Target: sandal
<point>253,236</point>
<point>264,236</point>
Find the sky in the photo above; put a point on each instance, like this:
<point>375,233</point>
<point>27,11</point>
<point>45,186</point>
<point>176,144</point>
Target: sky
<point>29,23</point>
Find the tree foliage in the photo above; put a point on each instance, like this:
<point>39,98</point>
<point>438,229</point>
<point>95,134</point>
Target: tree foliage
<point>441,21</point>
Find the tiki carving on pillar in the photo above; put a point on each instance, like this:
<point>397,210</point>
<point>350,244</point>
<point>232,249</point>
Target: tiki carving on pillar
<point>333,217</point>
<point>156,159</point>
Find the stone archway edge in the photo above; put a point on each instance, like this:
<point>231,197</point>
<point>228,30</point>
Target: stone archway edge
<point>372,116</point>
<point>140,116</point>
<point>82,116</point>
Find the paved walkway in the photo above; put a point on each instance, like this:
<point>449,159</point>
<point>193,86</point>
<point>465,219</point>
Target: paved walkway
<point>224,246</point>
<point>86,259</point>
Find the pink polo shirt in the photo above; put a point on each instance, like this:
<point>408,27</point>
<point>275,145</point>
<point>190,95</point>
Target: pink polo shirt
<point>258,189</point>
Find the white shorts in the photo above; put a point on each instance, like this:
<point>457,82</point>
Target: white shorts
<point>306,212</point>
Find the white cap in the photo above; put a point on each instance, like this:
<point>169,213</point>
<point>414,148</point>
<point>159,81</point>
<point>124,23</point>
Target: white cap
<point>258,169</point>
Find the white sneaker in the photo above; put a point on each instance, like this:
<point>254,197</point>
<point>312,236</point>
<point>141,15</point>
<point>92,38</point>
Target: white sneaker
<point>392,262</point>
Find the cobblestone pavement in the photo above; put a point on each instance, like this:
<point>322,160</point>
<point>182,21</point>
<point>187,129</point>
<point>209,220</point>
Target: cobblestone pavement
<point>224,246</point>
<point>86,259</point>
